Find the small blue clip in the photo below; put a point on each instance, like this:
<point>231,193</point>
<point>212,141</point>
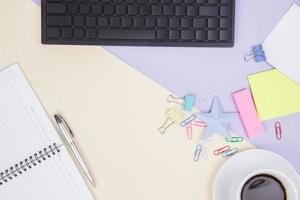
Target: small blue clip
<point>297,2</point>
<point>257,53</point>
<point>197,153</point>
<point>189,101</point>
<point>230,152</point>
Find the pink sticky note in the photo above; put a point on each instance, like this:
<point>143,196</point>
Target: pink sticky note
<point>245,105</point>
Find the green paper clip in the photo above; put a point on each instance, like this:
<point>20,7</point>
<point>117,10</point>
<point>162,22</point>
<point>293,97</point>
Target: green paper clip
<point>234,139</point>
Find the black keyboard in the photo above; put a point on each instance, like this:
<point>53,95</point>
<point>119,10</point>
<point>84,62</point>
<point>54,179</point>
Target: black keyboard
<point>199,23</point>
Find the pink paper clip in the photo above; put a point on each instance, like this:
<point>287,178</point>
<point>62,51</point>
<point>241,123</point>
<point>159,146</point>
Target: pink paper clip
<point>221,150</point>
<point>198,123</point>
<point>189,132</point>
<point>189,128</point>
<point>278,130</point>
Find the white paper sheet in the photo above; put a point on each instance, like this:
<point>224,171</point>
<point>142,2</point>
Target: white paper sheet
<point>282,46</point>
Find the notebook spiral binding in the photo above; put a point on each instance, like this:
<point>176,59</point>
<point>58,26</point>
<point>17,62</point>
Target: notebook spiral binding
<point>28,163</point>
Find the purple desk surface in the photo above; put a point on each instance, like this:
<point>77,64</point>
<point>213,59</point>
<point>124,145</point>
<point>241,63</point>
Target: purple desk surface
<point>223,71</point>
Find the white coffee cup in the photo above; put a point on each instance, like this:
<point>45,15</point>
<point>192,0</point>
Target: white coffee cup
<point>289,185</point>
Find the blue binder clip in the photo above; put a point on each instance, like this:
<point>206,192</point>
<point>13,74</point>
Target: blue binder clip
<point>257,53</point>
<point>189,101</point>
<point>297,2</point>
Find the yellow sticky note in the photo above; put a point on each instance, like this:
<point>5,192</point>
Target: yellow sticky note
<point>274,94</point>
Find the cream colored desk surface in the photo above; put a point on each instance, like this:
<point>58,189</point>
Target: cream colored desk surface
<point>114,112</point>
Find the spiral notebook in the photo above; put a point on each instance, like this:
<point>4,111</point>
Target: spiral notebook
<point>34,163</point>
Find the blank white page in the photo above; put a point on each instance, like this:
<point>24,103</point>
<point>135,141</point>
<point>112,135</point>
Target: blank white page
<point>282,46</point>
<point>34,164</point>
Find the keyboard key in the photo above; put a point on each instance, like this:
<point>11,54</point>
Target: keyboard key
<point>145,10</point>
<point>213,23</point>
<point>91,33</point>
<point>168,10</point>
<point>84,9</point>
<point>165,1</point>
<point>189,1</point>
<point>126,34</point>
<point>192,10</point>
<point>212,35</point>
<point>174,34</point>
<point>56,8</point>
<point>121,9</point>
<point>199,23</point>
<point>153,1</point>
<point>115,21</point>
<point>213,1</point>
<point>174,22</point>
<point>73,9</point>
<point>162,34</point>
<point>79,33</point>
<point>66,32</point>
<point>187,34</point>
<point>108,9</point>
<point>208,11</point>
<point>225,35</point>
<point>132,10</point>
<point>180,10</point>
<point>225,11</point>
<point>78,21</point>
<point>139,22</point>
<point>162,22</point>
<point>186,22</point>
<point>102,21</point>
<point>96,9</point>
<point>53,32</point>
<point>177,1</point>
<point>91,21</point>
<point>225,23</point>
<point>126,21</point>
<point>150,22</point>
<point>200,35</point>
<point>201,1</point>
<point>156,10</point>
<point>59,20</point>
<point>226,1</point>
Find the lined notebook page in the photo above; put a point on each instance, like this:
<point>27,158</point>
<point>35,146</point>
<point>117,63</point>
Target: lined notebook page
<point>34,163</point>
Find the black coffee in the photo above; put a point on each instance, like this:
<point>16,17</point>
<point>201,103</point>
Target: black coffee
<point>263,187</point>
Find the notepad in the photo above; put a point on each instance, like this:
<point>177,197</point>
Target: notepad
<point>282,46</point>
<point>34,163</point>
<point>274,94</point>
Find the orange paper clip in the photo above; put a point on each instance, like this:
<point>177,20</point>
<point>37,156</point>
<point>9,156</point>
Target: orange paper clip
<point>221,150</point>
<point>278,130</point>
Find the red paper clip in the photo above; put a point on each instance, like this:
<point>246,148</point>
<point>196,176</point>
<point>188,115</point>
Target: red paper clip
<point>221,150</point>
<point>278,130</point>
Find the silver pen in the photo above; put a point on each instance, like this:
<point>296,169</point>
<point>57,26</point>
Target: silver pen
<point>68,135</point>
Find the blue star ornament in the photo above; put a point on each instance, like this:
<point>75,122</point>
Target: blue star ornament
<point>217,121</point>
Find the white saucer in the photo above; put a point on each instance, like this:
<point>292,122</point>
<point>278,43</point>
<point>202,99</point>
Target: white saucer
<point>240,165</point>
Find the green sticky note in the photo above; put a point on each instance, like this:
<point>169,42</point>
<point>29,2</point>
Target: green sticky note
<point>275,95</point>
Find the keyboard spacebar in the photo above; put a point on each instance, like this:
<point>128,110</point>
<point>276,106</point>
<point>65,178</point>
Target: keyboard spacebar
<point>127,34</point>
